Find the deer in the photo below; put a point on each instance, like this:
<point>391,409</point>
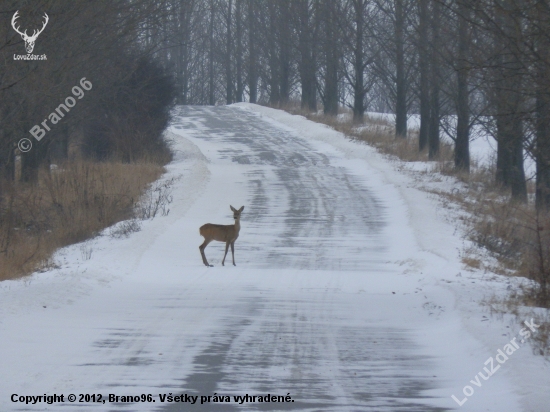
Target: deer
<point>221,233</point>
<point>29,40</point>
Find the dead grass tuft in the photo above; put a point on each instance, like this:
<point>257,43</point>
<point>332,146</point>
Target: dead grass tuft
<point>377,132</point>
<point>69,204</point>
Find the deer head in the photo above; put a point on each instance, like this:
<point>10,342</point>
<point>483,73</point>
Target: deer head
<point>29,40</point>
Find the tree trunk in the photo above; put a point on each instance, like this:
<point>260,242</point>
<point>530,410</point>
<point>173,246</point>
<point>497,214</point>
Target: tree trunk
<point>274,78</point>
<point>178,52</point>
<point>510,134</point>
<point>182,56</point>
<point>433,132</point>
<point>359,87</point>
<point>228,74</point>
<point>462,144</point>
<point>59,147</point>
<point>285,45</point>
<point>307,64</point>
<point>7,160</point>
<point>211,98</point>
<point>510,170</point>
<point>30,164</point>
<point>252,72</point>
<point>542,148</point>
<point>543,152</point>
<point>424,65</point>
<point>518,183</point>
<point>401,81</point>
<point>239,51</point>
<point>331,61</point>
<point>503,150</point>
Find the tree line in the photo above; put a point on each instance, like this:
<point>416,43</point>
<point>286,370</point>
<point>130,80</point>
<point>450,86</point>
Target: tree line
<point>458,64</point>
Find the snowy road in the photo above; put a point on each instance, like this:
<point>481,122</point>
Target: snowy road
<point>339,299</point>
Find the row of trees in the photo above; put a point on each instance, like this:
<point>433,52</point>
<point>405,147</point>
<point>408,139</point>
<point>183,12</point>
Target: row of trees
<point>124,113</point>
<point>457,63</point>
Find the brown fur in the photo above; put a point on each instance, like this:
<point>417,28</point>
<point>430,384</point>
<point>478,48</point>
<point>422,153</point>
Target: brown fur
<point>221,233</point>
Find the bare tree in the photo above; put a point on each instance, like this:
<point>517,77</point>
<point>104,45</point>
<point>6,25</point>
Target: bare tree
<point>305,28</point>
<point>508,94</point>
<point>229,51</point>
<point>354,22</point>
<point>541,50</point>
<point>462,142</point>
<point>400,76</point>
<point>239,51</point>
<point>424,67</point>
<point>211,74</point>
<point>392,31</point>
<point>329,89</point>
<point>252,53</point>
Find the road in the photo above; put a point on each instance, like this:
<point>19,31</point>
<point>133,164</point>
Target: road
<point>331,302</point>
<point>305,337</point>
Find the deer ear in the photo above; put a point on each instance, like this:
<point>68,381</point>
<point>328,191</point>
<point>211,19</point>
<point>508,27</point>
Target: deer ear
<point>232,208</point>
<point>241,209</point>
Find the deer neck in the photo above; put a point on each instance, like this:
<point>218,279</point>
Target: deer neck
<point>237,225</point>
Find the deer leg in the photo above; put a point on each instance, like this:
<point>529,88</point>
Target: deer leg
<point>201,248</point>
<point>233,252</point>
<point>226,248</point>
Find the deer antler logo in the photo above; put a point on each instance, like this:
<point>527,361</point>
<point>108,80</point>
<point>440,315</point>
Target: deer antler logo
<point>29,40</point>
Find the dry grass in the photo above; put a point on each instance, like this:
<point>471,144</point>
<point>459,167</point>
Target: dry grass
<point>515,305</point>
<point>379,133</point>
<point>67,205</point>
<point>519,238</point>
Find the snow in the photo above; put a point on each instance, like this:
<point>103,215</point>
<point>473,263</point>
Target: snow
<point>349,292</point>
<point>483,146</point>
